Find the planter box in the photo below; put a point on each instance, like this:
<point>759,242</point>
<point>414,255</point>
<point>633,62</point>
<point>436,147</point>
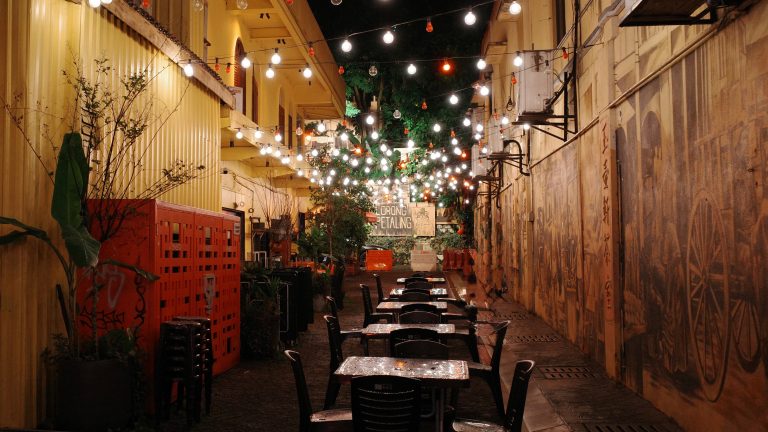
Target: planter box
<point>423,260</point>
<point>378,260</point>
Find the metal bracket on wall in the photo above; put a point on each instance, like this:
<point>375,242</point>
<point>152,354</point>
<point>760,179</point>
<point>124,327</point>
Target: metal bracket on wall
<point>548,118</point>
<point>495,176</point>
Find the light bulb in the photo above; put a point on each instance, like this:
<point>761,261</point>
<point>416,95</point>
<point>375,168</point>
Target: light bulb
<point>197,5</point>
<point>388,153</point>
<point>257,134</point>
<point>515,8</point>
<point>314,153</point>
<point>373,71</point>
<point>106,1</point>
<point>242,4</point>
<point>388,37</point>
<point>94,3</point>
<point>299,130</point>
<point>270,73</point>
<point>457,151</point>
<point>481,64</point>
<point>354,162</point>
<point>245,62</point>
<point>369,161</point>
<point>470,18</point>
<point>383,148</point>
<point>484,150</point>
<point>278,137</point>
<point>479,127</point>
<point>276,59</point>
<point>344,137</point>
<point>505,120</point>
<point>518,60</point>
<point>367,170</point>
<point>436,127</point>
<point>300,172</point>
<point>526,126</point>
<point>454,141</point>
<point>370,119</point>
<point>239,134</point>
<point>453,99</point>
<point>346,46</point>
<point>299,157</point>
<point>345,157</point>
<point>478,136</point>
<point>277,153</point>
<point>467,122</point>
<point>189,70</point>
<point>307,72</point>
<point>336,2</point>
<point>375,135</point>
<point>411,144</point>
<point>411,69</point>
<point>484,90</point>
<point>397,114</point>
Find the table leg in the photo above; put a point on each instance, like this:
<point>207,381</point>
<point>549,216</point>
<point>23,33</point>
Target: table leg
<point>365,345</point>
<point>440,414</point>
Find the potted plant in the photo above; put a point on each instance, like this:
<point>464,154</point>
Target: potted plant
<point>321,287</point>
<point>260,315</point>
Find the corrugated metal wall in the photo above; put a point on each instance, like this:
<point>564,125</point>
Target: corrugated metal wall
<point>40,38</point>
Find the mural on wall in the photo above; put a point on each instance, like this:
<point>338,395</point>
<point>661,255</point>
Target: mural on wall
<point>694,226</point>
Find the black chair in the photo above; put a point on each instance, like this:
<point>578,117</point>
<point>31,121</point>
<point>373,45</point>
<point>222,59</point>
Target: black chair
<point>419,317</point>
<point>513,420</point>
<point>415,279</point>
<point>336,357</point>
<point>351,333</point>
<point>207,351</point>
<point>330,420</point>
<point>370,316</point>
<point>414,296</point>
<point>420,290</point>
<point>181,361</point>
<point>386,403</point>
<point>467,329</point>
<point>419,285</point>
<point>490,373</point>
<point>421,349</point>
<point>419,307</point>
<point>406,334</point>
<point>379,288</point>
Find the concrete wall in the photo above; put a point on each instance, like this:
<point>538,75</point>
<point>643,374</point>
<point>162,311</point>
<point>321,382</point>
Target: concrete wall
<point>642,238</point>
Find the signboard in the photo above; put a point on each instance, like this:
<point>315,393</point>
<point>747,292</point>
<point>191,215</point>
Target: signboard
<point>406,221</point>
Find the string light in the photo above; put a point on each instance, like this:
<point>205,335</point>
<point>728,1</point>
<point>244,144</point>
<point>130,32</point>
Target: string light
<point>481,64</point>
<point>188,70</point>
<point>453,99</point>
<point>320,127</point>
<point>410,143</point>
<point>446,66</point>
<point>436,127</point>
<point>470,18</point>
<point>388,37</point>
<point>307,72</point>
<point>239,134</point>
<point>565,54</point>
<point>411,69</point>
<point>369,120</point>
<point>269,73</point>
<point>346,46</point>
<point>430,28</point>
<point>257,134</point>
<point>518,60</point>
<point>341,70</point>
<point>505,120</point>
<point>278,137</point>
<point>484,90</point>
<point>374,135</point>
<point>479,127</point>
<point>467,122</point>
<point>276,59</point>
<point>515,8</point>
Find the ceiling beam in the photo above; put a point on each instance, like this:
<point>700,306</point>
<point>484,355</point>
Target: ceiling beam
<point>239,153</point>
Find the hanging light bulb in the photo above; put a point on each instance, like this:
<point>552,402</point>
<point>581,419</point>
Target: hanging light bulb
<point>341,70</point>
<point>278,137</point>
<point>299,130</point>
<point>484,90</point>
<point>343,137</point>
<point>453,99</point>
<point>457,151</point>
<point>411,69</point>
<point>369,119</point>
<point>515,8</point>
<point>300,172</point>
<point>478,136</point>
<point>239,134</point>
<point>388,37</point>
<point>383,148</point>
<point>311,50</point>
<point>307,72</point>
<point>518,60</point>
<point>430,28</point>
<point>345,157</point>
<point>467,122</point>
<point>479,127</point>
<point>410,143</point>
<point>335,2</point>
<point>436,127</point>
<point>257,134</point>
<point>526,126</point>
<point>369,160</point>
<point>424,104</point>
<point>375,135</point>
<point>346,46</point>
<point>373,71</point>
<point>446,66</point>
<point>188,70</point>
<point>470,18</point>
<point>94,3</point>
<point>454,141</point>
<point>277,153</point>
<point>245,62</point>
<point>270,73</point>
<point>565,54</point>
<point>505,120</point>
<point>397,114</point>
<point>276,59</point>
<point>481,64</point>
<point>314,153</point>
<point>320,127</point>
<point>299,157</point>
<point>242,4</point>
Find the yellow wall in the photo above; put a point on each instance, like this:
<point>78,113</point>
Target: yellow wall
<point>39,37</point>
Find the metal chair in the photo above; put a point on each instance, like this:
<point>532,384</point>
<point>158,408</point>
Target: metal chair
<point>371,317</point>
<point>419,317</point>
<point>419,307</point>
<point>379,288</point>
<point>421,349</point>
<point>351,333</point>
<point>490,373</point>
<point>329,420</point>
<point>419,285</point>
<point>336,357</point>
<point>386,403</point>
<point>469,333</point>
<point>406,334</point>
<point>415,279</point>
<point>414,296</point>
<point>513,420</point>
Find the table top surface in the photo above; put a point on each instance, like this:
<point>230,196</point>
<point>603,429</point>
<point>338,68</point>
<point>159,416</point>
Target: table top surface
<point>395,306</point>
<point>439,292</point>
<point>385,329</point>
<point>429,279</point>
<point>446,373</point>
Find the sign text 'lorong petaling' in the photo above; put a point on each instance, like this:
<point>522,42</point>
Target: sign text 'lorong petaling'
<point>394,220</point>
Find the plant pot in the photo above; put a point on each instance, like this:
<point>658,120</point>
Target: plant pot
<point>318,303</point>
<point>93,396</point>
<point>260,336</point>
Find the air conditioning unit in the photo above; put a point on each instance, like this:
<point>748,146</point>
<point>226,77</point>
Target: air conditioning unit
<point>479,166</point>
<point>495,141</point>
<point>536,83</point>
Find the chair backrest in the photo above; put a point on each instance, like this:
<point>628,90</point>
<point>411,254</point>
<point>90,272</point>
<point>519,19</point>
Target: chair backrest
<point>421,349</point>
<point>305,406</point>
<point>367,306</point>
<point>334,341</point>
<point>415,279</point>
<point>421,290</point>
<point>332,308</point>
<point>419,285</point>
<point>406,334</point>
<point>379,289</point>
<point>517,393</point>
<point>501,331</point>
<point>418,307</point>
<point>414,296</point>
<point>386,403</point>
<point>419,317</point>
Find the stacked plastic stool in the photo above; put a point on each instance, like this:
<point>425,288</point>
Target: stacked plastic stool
<point>208,353</point>
<point>181,361</point>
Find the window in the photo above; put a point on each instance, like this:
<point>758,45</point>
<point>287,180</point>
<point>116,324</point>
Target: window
<point>290,132</point>
<point>559,20</point>
<point>255,101</point>
<point>281,120</point>
<point>240,71</point>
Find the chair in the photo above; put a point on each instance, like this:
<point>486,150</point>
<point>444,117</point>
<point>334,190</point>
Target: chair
<point>351,333</point>
<point>406,334</point>
<point>513,420</point>
<point>490,373</point>
<point>371,317</point>
<point>386,403</point>
<point>419,317</point>
<point>379,288</point>
<point>468,334</point>
<point>419,307</point>
<point>330,420</point>
<point>420,290</point>
<point>419,285</point>
<point>336,357</point>
<point>421,349</point>
<point>415,279</point>
<point>414,296</point>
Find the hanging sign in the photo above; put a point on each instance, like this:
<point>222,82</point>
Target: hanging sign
<point>406,221</point>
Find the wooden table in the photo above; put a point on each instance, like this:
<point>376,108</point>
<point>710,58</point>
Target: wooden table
<point>382,331</point>
<point>434,292</point>
<point>438,374</point>
<point>433,280</point>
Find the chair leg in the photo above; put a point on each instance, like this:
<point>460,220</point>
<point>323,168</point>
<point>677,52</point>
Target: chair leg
<point>331,393</point>
<point>495,384</point>
<point>472,345</point>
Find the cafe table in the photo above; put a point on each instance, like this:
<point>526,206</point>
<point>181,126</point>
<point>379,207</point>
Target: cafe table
<point>382,331</point>
<point>434,292</point>
<point>440,375</point>
<point>432,280</point>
